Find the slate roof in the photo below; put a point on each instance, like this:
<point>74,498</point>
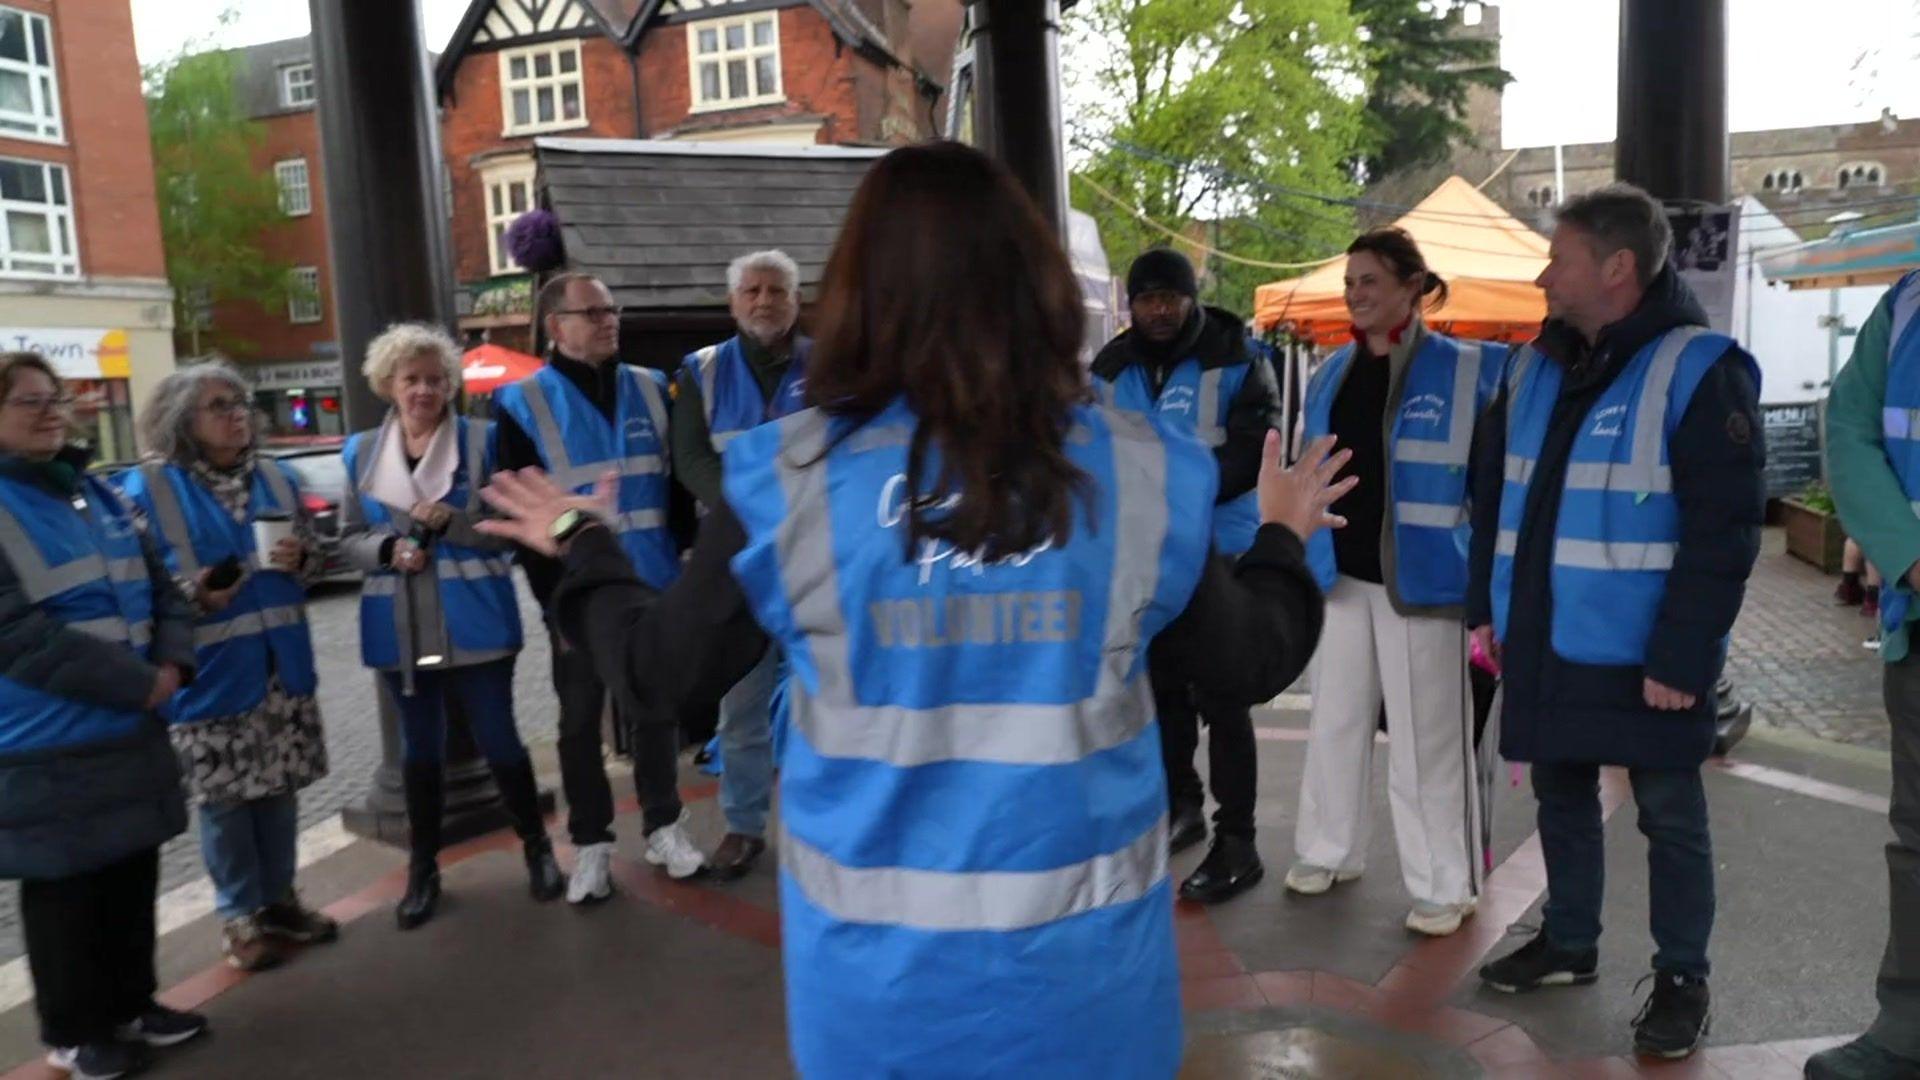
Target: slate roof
<point>659,221</point>
<point>257,75</point>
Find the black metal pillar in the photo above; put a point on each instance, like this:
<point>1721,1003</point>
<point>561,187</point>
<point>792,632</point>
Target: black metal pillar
<point>387,226</point>
<point>1016,66</point>
<point>1672,137</point>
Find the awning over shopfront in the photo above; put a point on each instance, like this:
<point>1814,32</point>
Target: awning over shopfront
<point>1867,257</point>
<point>486,368</point>
<point>1487,258</point>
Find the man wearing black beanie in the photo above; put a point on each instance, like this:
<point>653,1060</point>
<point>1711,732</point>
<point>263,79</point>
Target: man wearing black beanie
<point>1193,366</point>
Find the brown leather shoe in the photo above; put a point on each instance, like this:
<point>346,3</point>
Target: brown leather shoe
<point>247,945</point>
<point>735,856</point>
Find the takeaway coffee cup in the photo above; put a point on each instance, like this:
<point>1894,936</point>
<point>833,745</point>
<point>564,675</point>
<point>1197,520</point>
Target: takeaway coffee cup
<point>268,531</point>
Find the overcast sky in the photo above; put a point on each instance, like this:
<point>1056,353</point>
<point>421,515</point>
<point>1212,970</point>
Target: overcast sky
<point>1792,63</point>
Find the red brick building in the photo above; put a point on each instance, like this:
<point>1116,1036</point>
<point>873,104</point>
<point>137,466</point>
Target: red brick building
<point>769,71</point>
<point>82,272</point>
<point>291,352</point>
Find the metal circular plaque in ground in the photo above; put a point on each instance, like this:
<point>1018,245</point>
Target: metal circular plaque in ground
<point>1313,1043</point>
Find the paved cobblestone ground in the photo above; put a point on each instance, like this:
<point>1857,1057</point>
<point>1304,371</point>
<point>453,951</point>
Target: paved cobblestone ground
<point>1798,656</point>
<point>352,719</point>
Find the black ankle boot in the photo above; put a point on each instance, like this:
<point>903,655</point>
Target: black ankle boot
<point>425,793</point>
<point>423,895</point>
<point>520,794</point>
<point>544,879</point>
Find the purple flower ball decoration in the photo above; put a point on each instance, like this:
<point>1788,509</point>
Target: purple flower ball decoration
<point>534,241</point>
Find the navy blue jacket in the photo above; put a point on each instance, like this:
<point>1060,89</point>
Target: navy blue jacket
<point>1559,711</point>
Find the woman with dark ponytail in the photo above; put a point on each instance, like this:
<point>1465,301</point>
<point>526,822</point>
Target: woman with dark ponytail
<point>965,560</point>
<point>1405,400</point>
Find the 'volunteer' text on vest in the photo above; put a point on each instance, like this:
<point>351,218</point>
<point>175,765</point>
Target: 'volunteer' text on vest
<point>1196,400</point>
<point>474,609</point>
<point>1447,385</point>
<point>263,629</point>
<point>1900,422</point>
<point>79,561</point>
<point>1619,523</point>
<point>974,854</point>
<point>731,397</point>
<point>579,445</point>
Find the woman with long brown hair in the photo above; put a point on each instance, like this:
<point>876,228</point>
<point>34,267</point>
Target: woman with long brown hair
<point>964,559</point>
<point>1406,400</point>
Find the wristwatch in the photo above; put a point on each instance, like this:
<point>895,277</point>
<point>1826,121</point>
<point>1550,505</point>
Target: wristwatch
<point>570,522</point>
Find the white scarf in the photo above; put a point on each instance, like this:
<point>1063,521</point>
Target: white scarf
<point>397,485</point>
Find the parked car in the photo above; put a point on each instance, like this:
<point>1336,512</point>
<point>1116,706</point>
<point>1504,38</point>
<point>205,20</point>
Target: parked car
<point>322,476</point>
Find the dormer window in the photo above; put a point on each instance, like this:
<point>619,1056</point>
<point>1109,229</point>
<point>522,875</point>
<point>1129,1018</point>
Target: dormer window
<point>734,63</point>
<point>542,88</point>
<point>296,85</point>
<point>1859,174</point>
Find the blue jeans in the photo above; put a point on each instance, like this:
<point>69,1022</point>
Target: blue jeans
<point>249,848</point>
<point>1673,818</point>
<point>746,748</point>
<point>485,695</point>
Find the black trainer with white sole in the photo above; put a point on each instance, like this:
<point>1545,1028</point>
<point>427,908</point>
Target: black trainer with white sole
<point>161,1026</point>
<point>101,1061</point>
<point>1675,1020</point>
<point>1539,963</point>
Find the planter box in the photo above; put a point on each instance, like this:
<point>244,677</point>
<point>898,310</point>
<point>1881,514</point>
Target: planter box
<point>1812,536</point>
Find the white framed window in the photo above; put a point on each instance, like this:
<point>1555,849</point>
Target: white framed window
<point>296,85</point>
<point>508,189</point>
<point>39,239</point>
<point>733,63</point>
<point>29,89</point>
<point>303,300</point>
<point>542,88</point>
<point>296,190</point>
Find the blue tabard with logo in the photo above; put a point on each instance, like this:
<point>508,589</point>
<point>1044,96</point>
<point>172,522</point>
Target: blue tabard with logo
<point>1900,423</point>
<point>731,396</point>
<point>1196,400</point>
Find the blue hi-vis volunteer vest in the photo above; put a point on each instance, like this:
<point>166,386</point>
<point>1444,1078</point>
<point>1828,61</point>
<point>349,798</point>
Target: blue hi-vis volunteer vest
<point>1448,385</point>
<point>1196,400</point>
<point>478,616</point>
<point>79,561</point>
<point>973,866</point>
<point>1619,524</point>
<point>263,631</point>
<point>731,396</point>
<point>1900,424</point>
<point>578,445</point>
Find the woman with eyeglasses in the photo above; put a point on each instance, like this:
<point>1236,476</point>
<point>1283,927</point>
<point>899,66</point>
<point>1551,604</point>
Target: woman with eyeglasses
<point>93,637</point>
<point>438,616</point>
<point>230,524</point>
<point>965,559</point>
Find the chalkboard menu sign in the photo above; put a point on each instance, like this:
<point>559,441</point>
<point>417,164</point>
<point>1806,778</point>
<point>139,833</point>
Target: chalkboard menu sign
<point>1793,447</point>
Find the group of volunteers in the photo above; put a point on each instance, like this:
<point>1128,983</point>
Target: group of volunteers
<point>998,592</point>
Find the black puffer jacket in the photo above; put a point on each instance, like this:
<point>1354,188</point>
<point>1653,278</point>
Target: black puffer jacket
<point>1559,711</point>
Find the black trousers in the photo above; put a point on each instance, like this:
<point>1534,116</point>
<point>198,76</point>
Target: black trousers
<point>1232,762</point>
<point>1898,1026</point>
<point>583,772</point>
<point>90,945</point>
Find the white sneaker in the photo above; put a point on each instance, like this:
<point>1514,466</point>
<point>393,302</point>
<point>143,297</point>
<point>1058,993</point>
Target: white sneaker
<point>1309,880</point>
<point>1438,920</point>
<point>590,882</point>
<point>670,847</point>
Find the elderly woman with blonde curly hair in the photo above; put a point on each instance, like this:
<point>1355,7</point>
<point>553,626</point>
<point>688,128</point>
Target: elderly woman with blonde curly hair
<point>234,533</point>
<point>439,618</point>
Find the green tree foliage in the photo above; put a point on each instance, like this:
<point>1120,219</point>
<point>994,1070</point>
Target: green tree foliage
<point>1204,115</point>
<point>1419,71</point>
<point>216,204</point>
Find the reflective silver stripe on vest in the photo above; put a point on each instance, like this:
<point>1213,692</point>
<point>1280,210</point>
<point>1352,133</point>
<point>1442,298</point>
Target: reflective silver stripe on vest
<point>1457,447</point>
<point>1899,423</point>
<point>578,476</point>
<point>1600,555</point>
<point>1905,307</point>
<point>476,462</point>
<point>471,569</point>
<point>127,570</point>
<point>656,407</point>
<point>1207,425</point>
<point>636,520</point>
<point>1506,542</point>
<point>38,580</point>
<point>277,484</point>
<point>252,622</point>
<point>115,629</point>
<point>380,585</point>
<point>838,725</point>
<point>707,366</point>
<point>722,440</point>
<point>170,517</point>
<point>560,466</point>
<point>1643,472</point>
<point>1613,476</point>
<point>1915,507</point>
<point>1519,469</point>
<point>1431,515</point>
<point>979,900</point>
<point>1522,359</point>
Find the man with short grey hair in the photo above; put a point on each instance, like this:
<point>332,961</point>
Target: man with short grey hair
<point>1617,504</point>
<point>755,376</point>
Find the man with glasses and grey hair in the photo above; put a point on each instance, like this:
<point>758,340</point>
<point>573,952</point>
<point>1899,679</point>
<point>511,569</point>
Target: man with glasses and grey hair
<point>1617,505</point>
<point>583,416</point>
<point>755,376</point>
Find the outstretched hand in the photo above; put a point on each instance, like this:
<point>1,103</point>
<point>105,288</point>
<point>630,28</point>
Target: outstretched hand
<point>529,504</point>
<point>1297,496</point>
